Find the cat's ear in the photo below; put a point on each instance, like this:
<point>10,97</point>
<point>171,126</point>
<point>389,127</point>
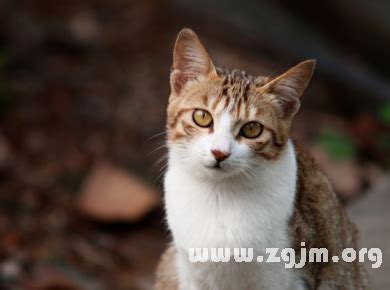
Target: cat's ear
<point>190,60</point>
<point>287,88</point>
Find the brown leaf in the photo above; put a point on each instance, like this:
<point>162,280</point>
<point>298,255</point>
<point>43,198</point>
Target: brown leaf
<point>112,194</point>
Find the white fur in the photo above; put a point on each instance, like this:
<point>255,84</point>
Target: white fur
<point>246,204</point>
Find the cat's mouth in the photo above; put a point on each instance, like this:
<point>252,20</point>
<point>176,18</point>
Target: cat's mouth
<point>218,170</point>
<point>216,167</point>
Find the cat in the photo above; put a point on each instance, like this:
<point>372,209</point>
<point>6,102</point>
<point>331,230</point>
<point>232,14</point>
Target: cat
<point>235,179</point>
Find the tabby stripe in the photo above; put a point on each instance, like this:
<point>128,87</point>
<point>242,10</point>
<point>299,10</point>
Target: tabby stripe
<point>227,101</point>
<point>176,136</point>
<point>186,128</point>
<point>216,102</point>
<point>246,90</point>
<point>205,100</point>
<point>238,107</point>
<point>178,115</point>
<point>260,145</point>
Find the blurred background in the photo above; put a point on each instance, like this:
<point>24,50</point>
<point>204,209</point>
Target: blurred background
<point>83,93</point>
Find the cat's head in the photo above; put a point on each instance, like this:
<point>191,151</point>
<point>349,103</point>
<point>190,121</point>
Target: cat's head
<point>222,123</point>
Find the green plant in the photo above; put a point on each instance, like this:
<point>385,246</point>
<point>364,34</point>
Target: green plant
<point>337,144</point>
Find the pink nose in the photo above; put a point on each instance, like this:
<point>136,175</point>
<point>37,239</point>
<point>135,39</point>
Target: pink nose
<point>219,155</point>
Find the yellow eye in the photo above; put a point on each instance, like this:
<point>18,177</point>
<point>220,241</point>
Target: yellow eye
<point>251,130</point>
<point>202,118</point>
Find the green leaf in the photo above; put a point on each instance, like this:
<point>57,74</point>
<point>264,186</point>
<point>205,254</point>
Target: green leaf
<point>384,113</point>
<point>337,144</point>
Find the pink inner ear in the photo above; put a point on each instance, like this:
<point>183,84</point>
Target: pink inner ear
<point>188,67</point>
<point>289,106</point>
<point>190,60</point>
<point>178,80</point>
<point>289,87</point>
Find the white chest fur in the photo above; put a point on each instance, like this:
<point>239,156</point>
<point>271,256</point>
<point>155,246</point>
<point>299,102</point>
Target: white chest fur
<point>234,214</point>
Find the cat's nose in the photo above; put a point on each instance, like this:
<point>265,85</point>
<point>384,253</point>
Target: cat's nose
<point>219,155</point>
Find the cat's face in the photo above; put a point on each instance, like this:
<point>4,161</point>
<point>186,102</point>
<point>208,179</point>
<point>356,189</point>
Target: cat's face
<point>225,123</point>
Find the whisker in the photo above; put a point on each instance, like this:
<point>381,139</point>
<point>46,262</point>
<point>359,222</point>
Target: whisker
<point>164,166</point>
<point>156,149</point>
<point>161,159</point>
<point>155,136</point>
<point>159,177</point>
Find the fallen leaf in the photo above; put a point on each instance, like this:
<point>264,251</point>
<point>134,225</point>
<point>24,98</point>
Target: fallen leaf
<point>112,194</point>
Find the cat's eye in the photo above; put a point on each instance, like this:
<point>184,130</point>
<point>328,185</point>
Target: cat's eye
<point>251,130</point>
<point>202,118</point>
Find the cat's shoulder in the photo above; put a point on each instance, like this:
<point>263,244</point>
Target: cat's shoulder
<point>312,180</point>
<point>319,220</point>
<point>315,199</point>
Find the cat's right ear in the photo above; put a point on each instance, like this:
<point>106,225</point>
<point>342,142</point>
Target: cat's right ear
<point>190,60</point>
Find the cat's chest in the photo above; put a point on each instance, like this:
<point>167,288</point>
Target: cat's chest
<point>233,276</point>
<point>200,215</point>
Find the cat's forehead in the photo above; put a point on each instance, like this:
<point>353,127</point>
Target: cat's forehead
<point>239,77</point>
<point>233,93</point>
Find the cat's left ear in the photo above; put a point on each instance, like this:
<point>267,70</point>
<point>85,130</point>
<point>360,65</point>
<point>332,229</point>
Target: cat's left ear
<point>190,61</point>
<point>287,88</point>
